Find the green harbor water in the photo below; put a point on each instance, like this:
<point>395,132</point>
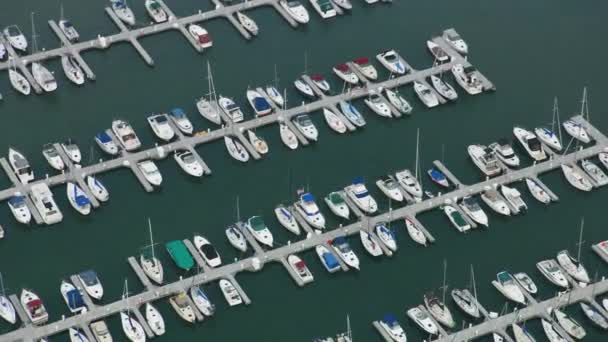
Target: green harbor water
<point>532,50</point>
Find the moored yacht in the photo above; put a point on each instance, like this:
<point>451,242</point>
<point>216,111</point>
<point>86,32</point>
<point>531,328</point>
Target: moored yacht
<point>594,172</point>
<point>537,191</point>
<point>466,302</point>
<point>305,125</point>
<point>236,238</point>
<point>150,171</point>
<point>513,196</point>
<point>398,101</point>
<point>503,150</point>
<point>256,226</point>
<point>553,273</point>
<point>52,157</point>
<point>438,177</point>
<point>594,316</point>
<point>337,205</point>
<point>386,235</point>
<point>179,118</point>
<point>309,210</point>
<point>444,88</point>
<point>390,188</point>
<point>409,183</point>
<point>456,41</point>
<point>123,12</point>
<point>296,10</point>
<point>346,74</point>
<point>439,310</point>
<point>548,137</point>
<point>370,244</point>
<point>304,88</point>
<point>43,200</point>
<point>526,282</point>
<point>231,109</point>
<point>286,219</point>
<point>575,178</point>
<point>248,23</point>
<point>470,206</point>
<point>161,127</point>
<point>415,232</point>
<point>69,30</point>
<point>550,332</point>
<point>258,103</point>
<point>76,335</point>
<point>300,268</point>
<point>131,327</point>
<point>573,266</point>
<point>364,66</point>
<point>34,307</point>
<point>182,307</point>
<point>577,131</point>
<point>18,81</point>
<point>328,259</point>
<point>72,297</point>
<point>15,37</point>
<point>440,55</point>
<point>91,283</point>
<point>125,135</point>
<point>353,115</point>
<point>274,94</point>
<point>426,95</point>
<point>20,166</point>
<point>391,326</point>
<point>569,324</point>
<point>202,301</point>
<point>236,149</point>
<point>342,248</point>
<point>468,79</point>
<point>106,144</point>
<point>530,143</point>
<point>494,201</point>
<point>72,69</point>
<point>188,162</point>
<point>507,285</point>
<point>101,332</point>
<point>324,7</point>
<point>288,137</point>
<point>358,193</point>
<point>333,121</point>
<point>230,293</point>
<point>320,82</point>
<point>377,105</point>
<point>209,109</point>
<point>456,218</point>
<point>18,206</point>
<point>521,334</point>
<point>72,151</point>
<point>155,11</point>
<point>98,190</point>
<point>78,199</point>
<point>207,251</point>
<point>423,320</point>
<point>392,61</point>
<point>154,319</point>
<point>485,159</point>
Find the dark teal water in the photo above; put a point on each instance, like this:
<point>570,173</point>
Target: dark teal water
<point>532,51</point>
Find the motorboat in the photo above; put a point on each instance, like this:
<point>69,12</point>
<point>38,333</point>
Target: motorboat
<point>34,307</point>
<point>521,334</point>
<point>20,166</point>
<point>550,332</point>
<point>569,324</point>
<point>415,232</point>
<point>209,109</point>
<point>100,331</point>
<point>548,137</point>
<point>258,103</point>
<point>392,61</point>
<point>275,95</point>
<point>345,4</point>
<point>398,101</point>
<point>346,74</point>
<point>307,207</point>
<point>439,310</point>
<point>236,238</point>
<point>155,319</point>
<point>256,226</point>
<point>72,69</point>
<point>573,267</point>
<point>507,285</point>
<point>125,135</point>
<point>471,207</point>
<point>232,110</point>
<point>18,206</point>
<point>288,137</point>
<point>577,131</point>
<point>296,10</point>
<point>438,177</point>
<point>189,163</point>
<point>524,280</point>
<point>123,12</point>
<point>230,293</point>
<point>409,183</point>
<point>324,7</point>
<point>91,283</point>
<point>18,81</point>
<point>366,68</point>
<point>457,219</point>
<point>302,87</point>
<point>181,121</point>
<point>466,302</point>
<point>386,235</point>
<point>236,149</point>
<point>156,11</point>
<point>207,251</point>
<point>423,320</point>
<point>248,23</point>
<point>594,316</point>
<point>300,268</point>
<point>468,79</point>
<point>99,191</point>
<point>537,191</point>
<point>328,259</point>
<point>440,55</point>
<point>456,42</point>
<point>390,187</point>
<point>370,244</point>
<point>594,172</point>
<point>161,127</point>
<point>305,125</point>
<point>131,327</point>
<point>492,198</point>
<point>337,205</point>
<point>72,297</point>
<point>376,103</point>
<point>320,82</point>
<point>342,248</point>
<point>150,172</point>
<point>358,193</point>
<point>257,142</point>
<point>513,196</point>
<point>69,31</point>
<point>182,307</point>
<point>485,159</point>
<point>553,273</point>
<point>52,157</point>
<point>352,114</point>
<point>391,326</point>
<point>444,88</point>
<point>106,143</point>
<point>43,200</point>
<point>575,178</point>
<point>76,335</point>
<point>15,37</point>
<point>503,150</point>
<point>426,95</point>
<point>530,143</point>
<point>78,199</point>
<point>202,301</point>
<point>333,121</point>
<point>286,219</point>
<point>72,151</point>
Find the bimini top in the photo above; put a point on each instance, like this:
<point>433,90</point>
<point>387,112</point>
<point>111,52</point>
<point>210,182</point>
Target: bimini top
<point>179,253</point>
<point>342,67</point>
<point>178,112</point>
<point>260,104</point>
<point>361,61</point>
<point>74,299</point>
<point>358,180</point>
<point>82,200</point>
<point>17,200</point>
<point>307,197</point>
<point>436,174</point>
<point>89,277</point>
<point>103,137</point>
<point>340,240</point>
<point>389,319</point>
<point>317,77</point>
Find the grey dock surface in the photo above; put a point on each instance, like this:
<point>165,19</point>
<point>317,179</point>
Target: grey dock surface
<point>67,44</point>
<point>382,332</point>
<point>448,173</point>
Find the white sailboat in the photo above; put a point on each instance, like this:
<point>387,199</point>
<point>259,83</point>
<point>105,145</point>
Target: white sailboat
<point>386,235</point>
<point>7,310</point>
<point>288,137</point>
<point>67,28</point>
<point>236,149</point>
<point>415,232</point>
<point>467,79</point>
<point>333,121</point>
<point>423,320</point>
<point>257,142</point>
<point>271,90</point>
<point>444,88</point>
<point>248,23</point>
<point>155,319</point>
<point>573,266</point>
<point>377,105</point>
<point>236,238</point>
<point>123,12</point>
<point>72,69</point>
<point>575,178</point>
<point>576,130</point>
<point>78,199</point>
<point>149,262</point>
<point>437,307</point>
<point>207,105</point>
<point>286,219</point>
<point>537,191</point>
<point>426,95</point>
<point>201,301</point>
<point>548,136</point>
<point>398,101</point>
<point>41,74</point>
<point>370,244</point>
<point>18,81</point>
<point>594,172</point>
<point>131,327</point>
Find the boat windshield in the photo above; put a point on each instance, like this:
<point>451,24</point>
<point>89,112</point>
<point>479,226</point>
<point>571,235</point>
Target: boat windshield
<point>391,57</point>
<point>304,120</point>
<point>257,223</point>
<point>534,144</point>
<point>453,36</point>
<point>160,119</point>
<point>335,198</point>
<point>50,151</point>
<point>209,251</point>
<point>89,278</point>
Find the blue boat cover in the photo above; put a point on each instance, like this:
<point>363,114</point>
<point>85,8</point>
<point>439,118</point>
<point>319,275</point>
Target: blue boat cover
<point>178,112</point>
<point>339,241</point>
<point>16,200</point>
<point>358,180</point>
<point>330,260</point>
<point>82,200</point>
<point>362,195</point>
<point>389,319</point>
<point>75,299</point>
<point>261,104</point>
<point>103,137</point>
<point>308,197</point>
<point>437,175</point>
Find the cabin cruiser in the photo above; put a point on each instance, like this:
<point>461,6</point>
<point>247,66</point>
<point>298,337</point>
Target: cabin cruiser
<point>52,157</point>
<point>392,328</point>
<point>392,61</point>
<point>494,201</point>
<point>179,118</point>
<point>182,307</point>
<point>409,183</point>
<point>161,127</point>
<point>390,188</point>
<point>18,206</point>
<point>537,191</point>
<point>457,219</point>
<point>398,101</point>
<point>154,319</point>
<point>45,204</point>
<point>72,69</point>
<point>530,143</point>
<point>328,259</point>
<point>569,324</point>
<point>439,310</point>
<point>188,162</point>
<point>444,88</point>
<point>503,150</point>
<point>337,205</point>
<point>123,12</point>
<point>466,302</point>
<point>155,11</point>
<point>358,193</point>
<point>256,226</point>
<point>320,82</point>
<point>577,131</point>
<point>286,219</point>
<point>248,23</point>
<point>231,109</point>
<point>288,137</point>
<point>364,66</point>
<point>131,327</point>
<point>346,74</point>
<point>20,166</point>
<point>78,199</point>
<point>69,30</point>
<point>300,268</point>
<point>91,283</point>
<point>470,206</point>
<point>236,149</point>
<point>415,232</point>
<point>594,172</point>
<point>309,210</point>
<point>72,151</point>
<point>423,320</point>
<point>106,144</point>
<point>100,331</point>
<point>208,252</point>
<point>575,178</point>
<point>125,135</point>
<point>370,244</point>
<point>18,81</point>
<point>548,137</point>
<point>150,172</point>
<point>230,293</point>
<point>553,273</point>
<point>440,55</point>
<point>324,7</point>
<point>306,127</point>
<point>333,121</point>
<point>468,79</point>
<point>342,248</point>
<point>15,37</point>
<point>573,267</point>
<point>438,177</point>
<point>426,95</point>
<point>236,238</point>
<point>526,282</point>
<point>304,88</point>
<point>513,196</point>
<point>72,297</point>
<point>507,285</point>
<point>34,307</point>
<point>485,159</point>
<point>201,301</point>
<point>258,103</point>
<point>296,10</point>
<point>377,105</point>
<point>456,42</point>
<point>354,116</point>
<point>386,235</point>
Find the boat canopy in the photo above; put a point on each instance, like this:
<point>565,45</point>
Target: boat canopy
<point>178,112</point>
<point>342,67</point>
<point>389,319</point>
<point>89,277</point>
<point>160,119</point>
<point>361,61</point>
<point>74,299</point>
<point>82,200</point>
<point>257,223</point>
<point>340,240</point>
<point>34,304</point>
<point>103,137</point>
<point>358,180</point>
<point>180,255</point>
<point>307,197</point>
<point>436,174</point>
<point>260,104</point>
<point>330,260</point>
<point>17,201</point>
<point>300,264</point>
<point>317,77</point>
<point>336,198</point>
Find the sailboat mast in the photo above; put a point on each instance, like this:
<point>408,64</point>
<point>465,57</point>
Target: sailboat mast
<point>417,151</point>
<point>349,332</point>
<point>474,286</point>
<point>556,117</point>
<point>238,211</point>
<point>34,43</point>
<point>151,241</point>
<point>61,10</point>
<point>580,240</point>
<point>284,98</point>
<point>1,285</point>
<point>444,287</point>
<point>276,77</point>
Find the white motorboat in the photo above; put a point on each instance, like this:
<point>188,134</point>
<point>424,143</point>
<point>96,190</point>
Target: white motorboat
<point>548,137</point>
<point>358,193</point>
<point>337,205</point>
<point>550,332</point>
<point>256,226</point>
<point>34,307</point>
<point>182,307</point>
<point>306,127</point>
<point>456,42</point>
<point>155,319</point>
<point>307,207</point>
<point>324,7</point>
<point>106,143</point>
<point>230,293</point>
<point>370,244</point>
<point>91,284</point>
<point>444,88</point>
<point>275,96</point>
<point>76,335</point>
<point>288,137</point>
<point>537,191</point>
<point>231,109</point>
<point>398,101</point>
<point>296,10</point>
<point>577,131</point>
<point>156,11</point>
<point>409,183</point>
<point>72,151</point>
<point>470,207</point>
<point>300,268</point>
<point>364,66</point>
<point>457,219</point>
<point>485,159</point>
<point>132,328</point>
<point>257,142</point>
<point>78,199</point>
<point>125,135</point>
<point>391,326</point>
<point>594,172</point>
<point>346,74</point>
<point>439,310</point>
<point>440,55</point>
<point>553,273</point>
<point>573,267</point>
<point>526,282</point>
<point>594,316</point>
<point>507,285</point>
<point>69,30</point>
<point>392,61</point>
<point>377,105</point>
<point>45,204</point>
<point>179,118</point>
<point>101,332</point>
<point>18,206</point>
<point>286,219</point>
<point>569,324</point>
<point>150,172</point>
<point>466,302</point>
<point>258,103</point>
<point>72,298</point>
<point>20,166</point>
<point>19,82</point>
<point>161,127</point>
<point>426,95</point>
<point>386,236</point>
<point>207,251</point>
<point>301,86</point>
<point>423,320</point>
<point>352,114</point>
<point>123,12</point>
<point>342,248</point>
<point>248,23</point>
<point>72,69</point>
<point>390,188</point>
<point>521,334</point>
<point>236,238</point>
<point>530,143</point>
<point>333,121</point>
<point>468,79</point>
<point>15,37</point>
<point>189,163</point>
<point>52,157</point>
<point>209,109</point>
<point>202,301</point>
<point>200,34</point>
<point>513,196</point>
<point>328,259</point>
<point>575,178</point>
<point>503,150</point>
<point>236,149</point>
<point>345,4</point>
<point>415,232</point>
